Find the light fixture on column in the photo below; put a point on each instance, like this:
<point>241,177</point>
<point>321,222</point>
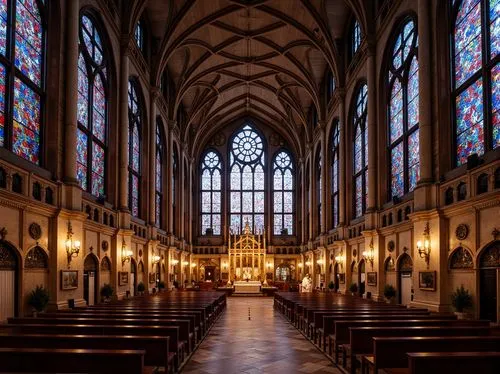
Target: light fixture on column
<point>72,246</point>
<point>339,259</point>
<point>424,249</point>
<point>193,264</point>
<point>156,258</point>
<point>224,265</point>
<point>126,253</point>
<point>269,265</point>
<point>308,263</point>
<point>174,262</point>
<point>320,262</point>
<point>300,265</point>
<point>185,263</point>
<point>369,254</point>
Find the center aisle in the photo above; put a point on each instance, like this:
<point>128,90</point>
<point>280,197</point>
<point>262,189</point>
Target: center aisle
<point>266,343</point>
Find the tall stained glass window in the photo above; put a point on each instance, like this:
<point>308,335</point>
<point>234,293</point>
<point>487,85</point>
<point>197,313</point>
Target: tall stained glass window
<point>139,35</point>
<point>476,73</point>
<point>211,199</point>
<point>91,137</point>
<point>283,194</point>
<point>134,147</point>
<point>355,37</point>
<point>403,112</point>
<point>360,151</point>
<point>247,197</point>
<point>22,49</point>
<point>160,156</point>
<point>335,141</point>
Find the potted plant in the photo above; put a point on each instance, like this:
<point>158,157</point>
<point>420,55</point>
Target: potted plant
<point>161,285</point>
<point>106,292</point>
<point>141,288</point>
<point>461,300</point>
<point>389,293</point>
<point>38,300</point>
<point>331,286</point>
<point>353,288</point>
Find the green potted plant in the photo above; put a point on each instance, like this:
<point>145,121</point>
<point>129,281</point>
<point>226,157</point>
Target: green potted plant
<point>38,300</point>
<point>161,285</point>
<point>461,300</point>
<point>353,288</point>
<point>141,288</point>
<point>106,292</point>
<point>331,286</point>
<point>389,293</point>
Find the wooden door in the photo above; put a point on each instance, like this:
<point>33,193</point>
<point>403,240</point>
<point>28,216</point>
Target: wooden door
<point>8,292</point>
<point>405,287</point>
<point>488,294</point>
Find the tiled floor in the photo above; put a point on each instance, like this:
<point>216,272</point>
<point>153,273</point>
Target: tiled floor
<point>265,343</point>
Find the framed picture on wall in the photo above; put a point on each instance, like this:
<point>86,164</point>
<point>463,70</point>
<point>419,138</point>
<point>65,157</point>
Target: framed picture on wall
<point>122,278</point>
<point>427,280</point>
<point>371,278</point>
<point>341,278</point>
<point>152,278</point>
<point>69,279</point>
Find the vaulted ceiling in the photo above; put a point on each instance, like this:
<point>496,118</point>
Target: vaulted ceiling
<point>235,58</point>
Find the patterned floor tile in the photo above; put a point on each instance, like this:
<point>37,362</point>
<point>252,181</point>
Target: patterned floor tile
<point>251,337</point>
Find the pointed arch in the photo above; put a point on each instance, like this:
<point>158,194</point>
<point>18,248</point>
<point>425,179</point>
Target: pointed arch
<point>460,258</point>
<point>404,262</point>
<point>136,119</point>
<point>283,193</point>
<point>360,150</point>
<point>211,193</point>
<point>403,110</point>
<point>247,178</point>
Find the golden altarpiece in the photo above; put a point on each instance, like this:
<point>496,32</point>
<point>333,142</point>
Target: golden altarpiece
<point>247,256</point>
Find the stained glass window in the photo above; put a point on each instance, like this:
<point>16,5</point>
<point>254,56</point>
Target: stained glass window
<point>355,37</point>
<point>134,146</point>
<point>403,112</point>
<point>247,197</point>
<point>160,156</point>
<point>211,196</point>
<point>335,141</point>
<point>22,43</point>
<point>139,35</point>
<point>283,194</point>
<point>475,50</point>
<point>92,109</point>
<point>360,151</point>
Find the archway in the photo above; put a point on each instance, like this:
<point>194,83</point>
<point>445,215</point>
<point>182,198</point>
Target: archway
<point>489,267</point>
<point>133,277</point>
<point>361,277</point>
<point>405,280</point>
<point>9,280</point>
<point>90,280</point>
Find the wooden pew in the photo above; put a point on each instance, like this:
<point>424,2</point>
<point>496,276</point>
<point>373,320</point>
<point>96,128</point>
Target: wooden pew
<point>43,360</point>
<point>390,353</point>
<point>453,362</point>
<point>361,337</point>
<point>156,348</point>
<point>171,331</point>
<point>329,324</point>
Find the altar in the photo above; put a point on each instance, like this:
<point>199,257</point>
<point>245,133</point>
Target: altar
<point>247,287</point>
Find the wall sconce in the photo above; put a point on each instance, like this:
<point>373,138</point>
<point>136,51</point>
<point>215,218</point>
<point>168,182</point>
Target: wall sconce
<point>269,265</point>
<point>193,265</point>
<point>174,262</point>
<point>340,257</point>
<point>185,263</point>
<point>72,247</point>
<point>126,253</point>
<point>308,263</point>
<point>300,265</point>
<point>224,265</point>
<point>424,250</point>
<point>320,262</point>
<point>369,254</point>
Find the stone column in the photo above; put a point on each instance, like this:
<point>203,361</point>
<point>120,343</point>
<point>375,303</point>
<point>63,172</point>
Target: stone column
<point>342,157</point>
<point>311,194</point>
<point>181,192</point>
<point>372,130</point>
<point>170,171</point>
<point>324,181</point>
<point>152,156</point>
<point>303,198</point>
<point>124,125</point>
<point>425,92</point>
<point>71,117</point>
<point>190,195</point>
